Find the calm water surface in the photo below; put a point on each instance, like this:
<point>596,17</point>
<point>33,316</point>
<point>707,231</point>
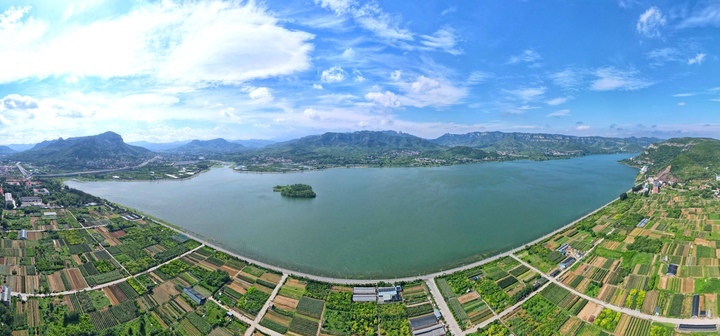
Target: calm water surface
<point>380,222</point>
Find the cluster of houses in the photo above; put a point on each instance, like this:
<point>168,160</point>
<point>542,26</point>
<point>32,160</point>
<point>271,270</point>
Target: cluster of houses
<point>571,255</point>
<point>26,201</point>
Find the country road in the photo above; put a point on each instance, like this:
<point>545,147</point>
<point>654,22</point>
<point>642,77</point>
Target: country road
<point>455,329</point>
<point>86,172</point>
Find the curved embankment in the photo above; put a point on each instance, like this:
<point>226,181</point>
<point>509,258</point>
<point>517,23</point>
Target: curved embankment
<point>345,281</point>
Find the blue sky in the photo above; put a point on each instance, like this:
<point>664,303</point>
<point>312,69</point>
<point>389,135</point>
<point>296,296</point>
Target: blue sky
<point>176,70</point>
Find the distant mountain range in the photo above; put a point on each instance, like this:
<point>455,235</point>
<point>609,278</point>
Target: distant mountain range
<point>254,143</point>
<point>172,146</point>
<point>98,151</point>
<point>538,143</point>
<point>362,147</point>
<point>681,159</point>
<point>213,146</point>
<point>5,150</point>
<point>158,147</point>
<point>378,140</point>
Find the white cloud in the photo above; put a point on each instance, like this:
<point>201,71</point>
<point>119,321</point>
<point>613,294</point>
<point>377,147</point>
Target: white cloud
<point>80,7</point>
<point>478,77</point>
<point>337,6</point>
<point>395,75</point>
<point>180,43</point>
<point>527,94</point>
<point>610,78</point>
<point>449,10</point>
<point>334,74</point>
<point>582,128</point>
<point>317,87</point>
<point>424,84</point>
<point>681,104</point>
<point>684,94</point>
<point>527,56</point>
<point>228,113</point>
<point>425,91</point>
<point>358,76</point>
<point>715,99</point>
<point>560,113</point>
<point>18,102</point>
<point>557,101</point>
<point>444,39</point>
<point>349,53</point>
<point>260,93</point>
<point>312,114</point>
<point>373,18</point>
<point>337,98</point>
<point>705,16</point>
<point>387,99</point>
<point>650,22</point>
<point>663,55</point>
<point>569,79</point>
<point>698,59</point>
<point>12,16</point>
<point>627,3</point>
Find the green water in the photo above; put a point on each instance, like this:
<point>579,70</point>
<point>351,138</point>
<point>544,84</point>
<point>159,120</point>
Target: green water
<point>380,222</point>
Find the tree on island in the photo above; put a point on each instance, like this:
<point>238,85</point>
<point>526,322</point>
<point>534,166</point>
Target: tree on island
<point>295,190</point>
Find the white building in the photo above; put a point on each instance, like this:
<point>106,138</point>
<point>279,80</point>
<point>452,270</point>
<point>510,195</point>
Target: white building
<point>9,201</point>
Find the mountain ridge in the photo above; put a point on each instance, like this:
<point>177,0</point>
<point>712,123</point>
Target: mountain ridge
<point>680,159</point>
<point>95,151</point>
<point>214,146</point>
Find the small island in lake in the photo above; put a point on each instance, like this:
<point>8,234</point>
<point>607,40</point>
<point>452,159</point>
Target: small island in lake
<point>295,190</point>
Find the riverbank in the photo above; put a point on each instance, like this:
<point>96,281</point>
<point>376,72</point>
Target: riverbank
<point>346,281</point>
<point>379,223</point>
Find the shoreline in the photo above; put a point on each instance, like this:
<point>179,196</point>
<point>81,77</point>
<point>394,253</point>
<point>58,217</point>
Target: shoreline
<point>359,166</point>
<point>356,280</point>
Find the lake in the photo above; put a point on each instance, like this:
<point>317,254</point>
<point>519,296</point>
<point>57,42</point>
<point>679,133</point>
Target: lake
<point>380,222</point>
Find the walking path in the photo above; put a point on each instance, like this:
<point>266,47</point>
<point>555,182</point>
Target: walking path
<point>267,305</point>
<point>253,325</point>
<point>444,310</point>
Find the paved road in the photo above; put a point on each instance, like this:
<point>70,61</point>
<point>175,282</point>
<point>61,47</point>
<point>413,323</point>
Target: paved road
<point>86,172</point>
<point>266,306</point>
<point>24,172</point>
<point>444,309</point>
<point>253,325</point>
<point>26,295</point>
